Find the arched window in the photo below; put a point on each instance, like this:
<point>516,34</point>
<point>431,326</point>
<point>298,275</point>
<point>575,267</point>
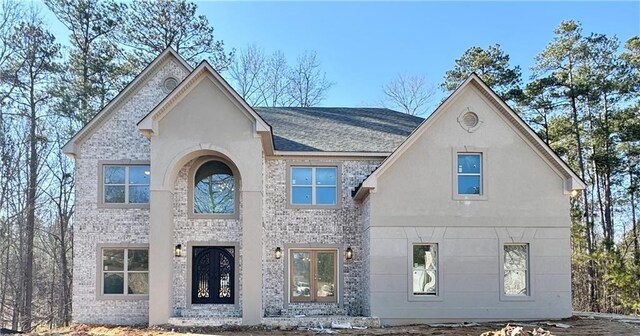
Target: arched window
<point>214,189</point>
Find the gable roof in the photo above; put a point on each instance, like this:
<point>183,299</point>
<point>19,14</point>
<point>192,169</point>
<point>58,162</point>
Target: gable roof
<point>572,180</point>
<point>149,123</point>
<point>338,129</point>
<point>70,148</point>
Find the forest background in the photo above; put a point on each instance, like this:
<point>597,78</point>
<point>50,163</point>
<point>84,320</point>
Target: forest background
<point>582,98</point>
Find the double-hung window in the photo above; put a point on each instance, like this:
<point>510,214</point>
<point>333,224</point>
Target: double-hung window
<point>125,184</point>
<point>313,275</point>
<point>314,186</point>
<point>125,271</point>
<point>469,173</point>
<point>425,269</point>
<point>516,269</point>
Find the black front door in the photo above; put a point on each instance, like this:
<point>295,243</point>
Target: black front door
<point>213,276</point>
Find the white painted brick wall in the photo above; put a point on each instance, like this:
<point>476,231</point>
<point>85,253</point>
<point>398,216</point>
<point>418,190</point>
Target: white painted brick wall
<point>341,227</point>
<point>117,139</point>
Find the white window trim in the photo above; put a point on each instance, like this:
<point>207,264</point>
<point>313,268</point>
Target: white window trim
<point>314,165</point>
<point>530,278</point>
<point>100,272</point>
<point>484,169</point>
<point>287,273</point>
<point>101,185</point>
<point>439,269</point>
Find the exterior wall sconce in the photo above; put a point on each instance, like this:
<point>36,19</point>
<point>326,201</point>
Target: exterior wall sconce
<point>278,252</point>
<point>178,251</point>
<point>348,253</point>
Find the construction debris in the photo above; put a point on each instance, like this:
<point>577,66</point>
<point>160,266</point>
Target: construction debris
<point>336,325</point>
<point>510,330</point>
<point>559,325</point>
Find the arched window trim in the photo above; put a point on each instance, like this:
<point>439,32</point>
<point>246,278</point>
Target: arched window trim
<point>191,188</point>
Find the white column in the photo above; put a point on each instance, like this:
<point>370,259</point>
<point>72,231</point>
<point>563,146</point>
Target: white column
<point>160,256</point>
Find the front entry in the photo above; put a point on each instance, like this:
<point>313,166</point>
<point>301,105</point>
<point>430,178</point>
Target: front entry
<point>213,278</point>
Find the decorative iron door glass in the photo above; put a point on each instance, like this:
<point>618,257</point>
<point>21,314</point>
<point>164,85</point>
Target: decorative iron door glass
<point>213,275</point>
<point>313,185</point>
<point>469,174</point>
<point>313,275</point>
<point>425,269</point>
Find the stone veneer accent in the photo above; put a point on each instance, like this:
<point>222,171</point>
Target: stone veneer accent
<point>116,139</point>
<point>201,230</point>
<point>342,227</point>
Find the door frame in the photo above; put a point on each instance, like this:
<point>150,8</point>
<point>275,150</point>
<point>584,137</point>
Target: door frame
<point>236,275</point>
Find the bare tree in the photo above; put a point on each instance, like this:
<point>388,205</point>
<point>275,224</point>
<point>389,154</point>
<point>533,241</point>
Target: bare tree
<point>248,73</point>
<point>33,63</point>
<point>308,83</point>
<point>268,80</point>
<point>409,93</point>
<point>276,88</point>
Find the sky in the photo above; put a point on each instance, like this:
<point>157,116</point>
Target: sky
<point>363,45</point>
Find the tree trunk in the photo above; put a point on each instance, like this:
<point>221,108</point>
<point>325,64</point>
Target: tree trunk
<point>31,210</point>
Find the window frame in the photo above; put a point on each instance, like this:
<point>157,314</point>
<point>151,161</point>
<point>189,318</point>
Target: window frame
<point>191,190</point>
<point>530,279</point>
<point>439,296</point>
<point>100,295</point>
<point>484,164</point>
<point>338,274</point>
<point>313,165</point>
<point>437,269</point>
<point>101,185</point>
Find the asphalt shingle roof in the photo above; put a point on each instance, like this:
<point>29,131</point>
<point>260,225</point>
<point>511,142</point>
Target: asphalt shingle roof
<point>338,129</point>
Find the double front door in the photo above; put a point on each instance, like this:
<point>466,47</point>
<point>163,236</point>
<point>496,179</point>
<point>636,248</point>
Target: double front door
<point>213,278</point>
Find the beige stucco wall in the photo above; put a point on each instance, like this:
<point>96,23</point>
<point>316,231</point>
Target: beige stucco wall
<point>204,122</point>
<point>414,202</point>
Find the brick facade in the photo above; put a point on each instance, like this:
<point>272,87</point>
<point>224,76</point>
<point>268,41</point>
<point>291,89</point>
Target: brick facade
<point>188,230</point>
<point>116,139</point>
<point>314,228</point>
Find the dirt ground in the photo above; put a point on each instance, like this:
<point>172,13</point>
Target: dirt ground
<point>578,326</point>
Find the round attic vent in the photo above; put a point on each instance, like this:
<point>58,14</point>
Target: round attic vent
<point>169,84</point>
<point>470,120</point>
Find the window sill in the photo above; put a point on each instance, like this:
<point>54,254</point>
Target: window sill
<point>122,297</point>
<point>470,198</point>
<point>123,206</point>
<point>212,216</point>
<point>424,298</point>
<point>313,207</point>
<point>516,298</point>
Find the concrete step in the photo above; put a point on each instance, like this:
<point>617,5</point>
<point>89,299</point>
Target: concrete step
<point>324,321</point>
